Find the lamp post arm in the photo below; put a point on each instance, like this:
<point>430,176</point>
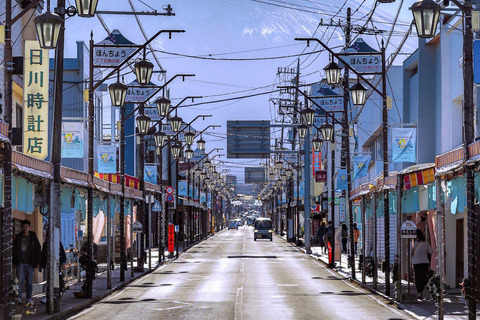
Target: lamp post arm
<point>22,13</point>
<point>215,149</point>
<point>209,126</point>
<point>188,124</point>
<point>342,61</point>
<point>134,53</point>
<point>459,5</point>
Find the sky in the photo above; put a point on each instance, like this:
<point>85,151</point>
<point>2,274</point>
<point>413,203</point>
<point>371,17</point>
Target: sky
<point>235,47</point>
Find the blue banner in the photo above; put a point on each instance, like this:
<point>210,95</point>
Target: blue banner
<point>302,189</point>
<point>107,159</point>
<point>150,174</point>
<point>360,166</point>
<point>182,188</point>
<point>342,179</point>
<point>404,145</point>
<point>209,201</point>
<point>203,197</point>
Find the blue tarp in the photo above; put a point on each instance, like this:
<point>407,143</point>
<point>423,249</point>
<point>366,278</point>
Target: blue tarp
<point>410,200</point>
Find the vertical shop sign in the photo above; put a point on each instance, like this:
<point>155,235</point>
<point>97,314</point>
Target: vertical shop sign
<point>35,100</point>
<point>171,237</point>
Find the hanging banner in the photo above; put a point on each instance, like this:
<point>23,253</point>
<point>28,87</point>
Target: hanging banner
<point>203,197</point>
<point>404,145</point>
<point>342,209</point>
<point>72,140</point>
<point>316,162</point>
<point>301,190</point>
<point>209,201</point>
<point>182,188</point>
<point>150,174</point>
<point>107,159</point>
<point>360,166</point>
<point>342,179</point>
<point>35,100</point>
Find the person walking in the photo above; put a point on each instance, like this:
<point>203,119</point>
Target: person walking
<point>44,262</point>
<point>421,263</point>
<point>320,234</point>
<point>344,237</point>
<point>356,236</point>
<point>327,237</point>
<point>26,257</point>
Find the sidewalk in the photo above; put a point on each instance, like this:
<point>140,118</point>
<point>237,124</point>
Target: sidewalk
<point>454,305</point>
<point>70,305</point>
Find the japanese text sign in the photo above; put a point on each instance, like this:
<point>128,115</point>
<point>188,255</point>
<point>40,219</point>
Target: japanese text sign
<point>171,237</point>
<point>35,100</point>
<point>365,63</point>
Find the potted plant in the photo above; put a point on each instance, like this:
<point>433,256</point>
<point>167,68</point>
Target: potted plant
<point>14,293</point>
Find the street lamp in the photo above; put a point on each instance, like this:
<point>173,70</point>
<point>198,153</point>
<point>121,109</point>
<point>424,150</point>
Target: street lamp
<point>189,153</point>
<point>189,137</point>
<point>201,144</point>
<point>198,171</point>
<point>425,14</point>
<point>317,143</point>
<point>302,131</point>
<point>308,116</point>
<point>207,164</point>
<point>278,164</point>
<point>86,8</point>
<point>332,73</point>
<point>143,124</point>
<point>359,94</point>
<point>289,172</point>
<point>163,105</point>
<point>159,138</point>
<point>48,27</point>
<point>176,123</point>
<point>143,71</point>
<point>327,130</point>
<point>118,92</point>
<point>176,150</point>
<point>278,183</point>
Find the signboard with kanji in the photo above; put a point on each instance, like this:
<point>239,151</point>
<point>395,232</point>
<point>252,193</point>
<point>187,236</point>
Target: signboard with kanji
<point>321,176</point>
<point>136,94</point>
<point>35,96</point>
<point>371,63</point>
<point>171,237</point>
<point>112,56</point>
<point>408,230</point>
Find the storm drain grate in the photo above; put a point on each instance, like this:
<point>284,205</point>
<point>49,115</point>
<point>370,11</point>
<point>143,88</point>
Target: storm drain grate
<point>252,257</point>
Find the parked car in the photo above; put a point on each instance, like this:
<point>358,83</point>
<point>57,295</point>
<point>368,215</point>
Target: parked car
<point>263,229</point>
<point>239,222</point>
<point>232,224</point>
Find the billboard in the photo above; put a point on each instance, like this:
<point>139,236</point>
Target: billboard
<point>248,139</point>
<point>254,175</point>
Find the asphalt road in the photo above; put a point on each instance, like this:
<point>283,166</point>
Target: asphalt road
<point>229,276</point>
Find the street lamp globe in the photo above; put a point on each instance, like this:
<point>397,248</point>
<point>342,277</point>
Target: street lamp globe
<point>283,176</point>
<point>289,172</point>
<point>143,71</point>
<point>359,94</point>
<point>327,130</point>
<point>118,92</point>
<point>198,171</point>
<point>189,153</point>
<point>159,138</point>
<point>203,175</point>
<point>86,8</point>
<point>206,180</point>
<point>425,14</point>
<point>302,131</point>
<point>278,182</point>
<point>48,27</point>
<point>143,124</point>
<point>176,150</point>
<point>332,73</point>
<point>176,123</point>
<point>189,137</point>
<point>308,116</point>
<point>163,104</point>
<point>272,175</point>
<point>317,143</point>
<point>278,164</point>
<point>201,144</point>
<point>207,164</point>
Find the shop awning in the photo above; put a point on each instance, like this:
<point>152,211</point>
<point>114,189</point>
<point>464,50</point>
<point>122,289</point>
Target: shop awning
<point>449,161</point>
<point>76,182</point>
<point>33,172</point>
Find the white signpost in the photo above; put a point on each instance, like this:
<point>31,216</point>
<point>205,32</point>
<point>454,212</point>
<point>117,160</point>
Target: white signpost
<point>408,230</point>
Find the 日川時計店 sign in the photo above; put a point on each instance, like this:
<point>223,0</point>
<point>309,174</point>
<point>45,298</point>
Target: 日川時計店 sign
<point>35,100</point>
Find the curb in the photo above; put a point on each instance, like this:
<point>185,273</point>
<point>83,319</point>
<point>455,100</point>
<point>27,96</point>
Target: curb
<point>88,302</point>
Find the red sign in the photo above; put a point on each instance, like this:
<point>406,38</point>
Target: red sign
<point>169,190</point>
<point>171,237</point>
<point>321,176</point>
<point>169,198</point>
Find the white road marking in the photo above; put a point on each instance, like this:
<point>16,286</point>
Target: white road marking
<point>239,296</point>
<point>286,285</point>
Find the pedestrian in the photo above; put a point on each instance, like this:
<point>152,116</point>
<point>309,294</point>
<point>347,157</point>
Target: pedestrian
<point>356,235</point>
<point>421,263</point>
<point>44,262</point>
<point>320,234</point>
<point>344,237</point>
<point>327,238</point>
<point>26,257</point>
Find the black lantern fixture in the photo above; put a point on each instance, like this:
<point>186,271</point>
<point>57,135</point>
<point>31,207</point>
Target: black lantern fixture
<point>278,164</point>
<point>207,164</point>
<point>143,71</point>
<point>327,130</point>
<point>272,175</point>
<point>189,137</point>
<point>317,143</point>
<point>176,123</point>
<point>201,144</point>
<point>308,116</point>
<point>159,138</point>
<point>86,8</point>
<point>425,14</point>
<point>386,1</point>
<point>302,131</point>
<point>176,150</point>
<point>143,124</point>
<point>203,175</point>
<point>198,171</point>
<point>289,172</point>
<point>332,73</point>
<point>278,182</point>
<point>283,176</point>
<point>163,104</point>
<point>118,92</point>
<point>48,27</point>
<point>359,94</point>
<point>188,153</point>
